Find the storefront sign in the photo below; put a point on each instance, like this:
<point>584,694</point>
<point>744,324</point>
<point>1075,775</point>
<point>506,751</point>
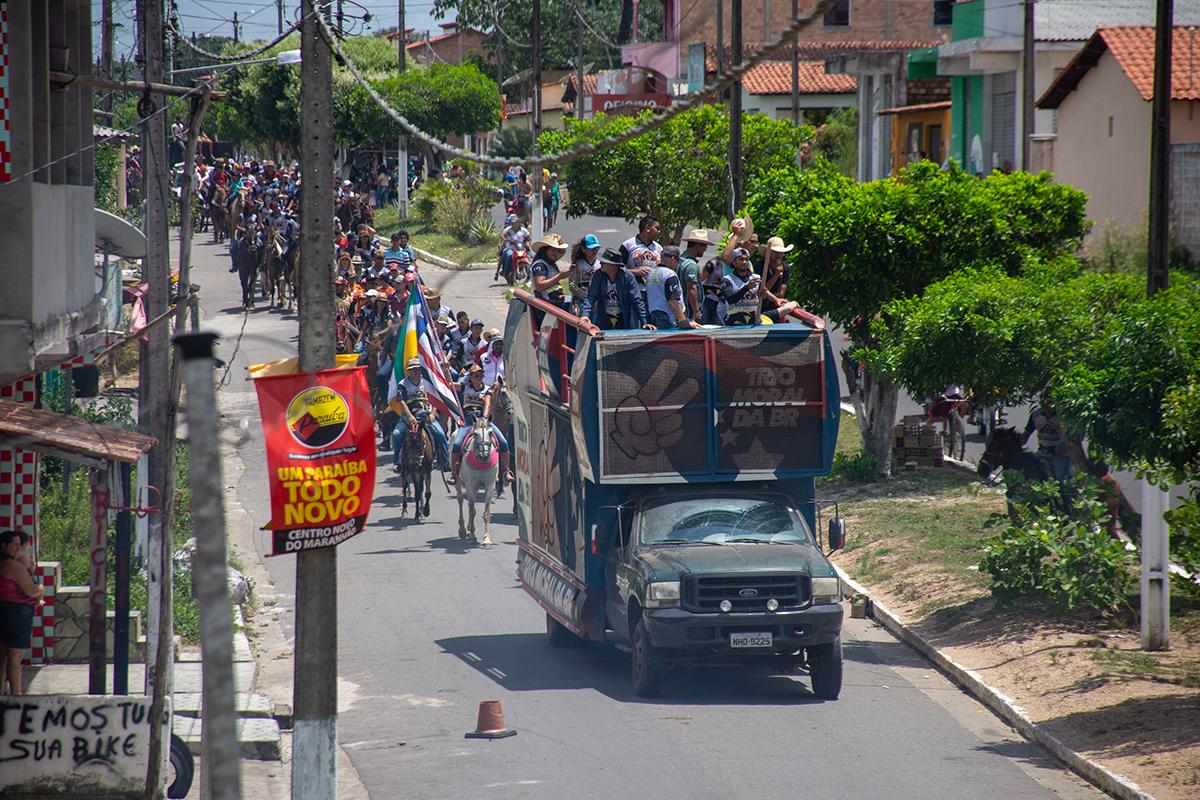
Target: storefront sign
<point>320,434</point>
<point>629,103</point>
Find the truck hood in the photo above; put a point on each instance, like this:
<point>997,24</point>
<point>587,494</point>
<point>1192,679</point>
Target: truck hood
<point>669,563</point>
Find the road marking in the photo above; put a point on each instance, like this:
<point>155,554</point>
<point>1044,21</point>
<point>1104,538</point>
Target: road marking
<point>607,230</point>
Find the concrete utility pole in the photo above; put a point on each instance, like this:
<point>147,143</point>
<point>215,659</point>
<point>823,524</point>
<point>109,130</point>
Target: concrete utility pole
<point>1155,573</point>
<point>235,27</point>
<point>220,769</point>
<point>1028,65</point>
<point>314,739</point>
<point>153,400</point>
<point>106,53</point>
<point>578,64</point>
<point>735,113</point>
<point>402,145</point>
<point>536,223</point>
<point>279,14</point>
<point>720,36</point>
<point>795,67</point>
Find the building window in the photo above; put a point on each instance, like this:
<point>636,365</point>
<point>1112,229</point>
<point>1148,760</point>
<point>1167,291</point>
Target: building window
<point>839,15</point>
<point>943,12</point>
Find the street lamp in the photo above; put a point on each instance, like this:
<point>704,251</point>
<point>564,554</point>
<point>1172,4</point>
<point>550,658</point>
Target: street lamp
<point>283,59</point>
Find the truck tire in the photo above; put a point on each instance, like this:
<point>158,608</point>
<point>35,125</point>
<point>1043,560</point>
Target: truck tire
<point>559,635</point>
<point>825,667</point>
<point>183,765</point>
<point>647,664</point>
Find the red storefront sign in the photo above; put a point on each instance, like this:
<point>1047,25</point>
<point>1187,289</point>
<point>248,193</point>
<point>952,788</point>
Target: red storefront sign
<point>320,436</point>
<point>628,103</point>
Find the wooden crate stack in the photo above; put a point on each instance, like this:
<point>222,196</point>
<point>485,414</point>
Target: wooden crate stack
<point>916,444</point>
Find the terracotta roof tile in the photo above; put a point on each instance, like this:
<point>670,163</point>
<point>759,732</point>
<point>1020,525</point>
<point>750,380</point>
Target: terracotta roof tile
<point>775,77</point>
<point>1133,48</point>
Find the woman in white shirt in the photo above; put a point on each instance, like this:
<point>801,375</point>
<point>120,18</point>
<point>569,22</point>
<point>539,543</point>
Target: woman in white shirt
<point>583,264</point>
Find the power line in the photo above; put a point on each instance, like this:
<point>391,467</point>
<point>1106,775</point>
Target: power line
<point>239,56</point>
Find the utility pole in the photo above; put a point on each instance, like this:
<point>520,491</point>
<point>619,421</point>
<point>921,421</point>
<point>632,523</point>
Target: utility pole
<point>1155,571</point>
<point>536,223</point>
<point>154,418</point>
<point>341,20</point>
<point>220,769</point>
<point>795,67</point>
<point>720,36</point>
<point>735,112</point>
<point>578,64</point>
<point>402,144</point>
<point>314,738</point>
<point>1028,59</point>
<point>106,54</point>
<point>235,28</point>
<point>279,14</point>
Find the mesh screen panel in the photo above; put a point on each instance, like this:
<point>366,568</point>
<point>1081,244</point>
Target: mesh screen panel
<point>657,372</point>
<point>638,442</point>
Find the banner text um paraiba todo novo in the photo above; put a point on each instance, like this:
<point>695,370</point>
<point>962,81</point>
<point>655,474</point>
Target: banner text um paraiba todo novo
<point>320,434</point>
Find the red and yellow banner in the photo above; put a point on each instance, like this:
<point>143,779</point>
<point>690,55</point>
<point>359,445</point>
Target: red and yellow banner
<point>320,434</point>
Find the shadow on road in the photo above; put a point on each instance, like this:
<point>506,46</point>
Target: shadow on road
<point>523,662</point>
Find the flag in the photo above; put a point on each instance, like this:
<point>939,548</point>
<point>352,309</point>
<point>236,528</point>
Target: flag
<point>417,340</point>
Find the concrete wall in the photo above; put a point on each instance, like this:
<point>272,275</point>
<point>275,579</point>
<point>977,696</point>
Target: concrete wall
<point>71,623</point>
<point>1103,144</point>
<point>779,106</point>
<point>48,237</point>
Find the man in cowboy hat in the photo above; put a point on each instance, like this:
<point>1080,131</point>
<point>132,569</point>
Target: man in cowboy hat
<point>545,273</point>
<point>614,299</point>
<point>774,273</point>
<point>434,298</point>
<point>695,243</point>
<point>408,401</point>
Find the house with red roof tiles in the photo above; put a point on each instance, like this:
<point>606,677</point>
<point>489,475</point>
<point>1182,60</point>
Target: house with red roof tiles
<point>767,89</point>
<point>1102,143</point>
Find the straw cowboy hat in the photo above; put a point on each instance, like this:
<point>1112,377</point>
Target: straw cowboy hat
<point>698,235</point>
<point>550,240</point>
<point>775,243</point>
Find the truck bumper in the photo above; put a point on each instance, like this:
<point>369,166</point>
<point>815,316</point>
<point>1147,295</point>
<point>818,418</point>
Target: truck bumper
<point>701,635</point>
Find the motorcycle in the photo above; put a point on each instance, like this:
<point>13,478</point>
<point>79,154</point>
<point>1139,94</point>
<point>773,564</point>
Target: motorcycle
<point>519,271</point>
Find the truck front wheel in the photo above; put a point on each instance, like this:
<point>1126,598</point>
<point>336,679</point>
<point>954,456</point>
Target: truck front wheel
<point>825,666</point>
<point>559,635</point>
<point>647,664</point>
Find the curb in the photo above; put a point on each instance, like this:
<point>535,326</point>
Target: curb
<point>1092,771</point>
<point>446,263</point>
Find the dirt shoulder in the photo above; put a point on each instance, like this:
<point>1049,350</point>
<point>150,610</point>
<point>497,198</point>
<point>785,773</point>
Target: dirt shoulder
<point>915,542</point>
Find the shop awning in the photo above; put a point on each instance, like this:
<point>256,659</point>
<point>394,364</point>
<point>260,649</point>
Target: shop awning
<point>71,438</point>
<point>923,63</point>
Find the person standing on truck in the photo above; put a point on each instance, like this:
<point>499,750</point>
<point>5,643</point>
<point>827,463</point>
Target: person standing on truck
<point>614,299</point>
<point>664,294</point>
<point>689,273</point>
<point>740,292</point>
<point>545,274</point>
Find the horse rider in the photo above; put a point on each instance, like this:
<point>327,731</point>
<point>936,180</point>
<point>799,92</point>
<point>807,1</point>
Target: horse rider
<point>410,401</point>
<point>477,404</point>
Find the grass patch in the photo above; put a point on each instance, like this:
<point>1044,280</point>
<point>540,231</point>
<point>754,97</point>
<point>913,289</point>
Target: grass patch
<point>1134,665</point>
<point>424,236</point>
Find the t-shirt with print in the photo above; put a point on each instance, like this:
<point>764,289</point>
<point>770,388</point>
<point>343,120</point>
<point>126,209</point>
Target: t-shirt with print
<point>638,254</point>
<point>541,268</point>
<point>743,310</point>
<point>612,305</point>
<point>414,395</point>
<point>689,275</point>
<point>473,399</point>
<point>662,285</point>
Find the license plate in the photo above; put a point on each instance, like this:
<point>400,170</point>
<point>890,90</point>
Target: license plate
<point>750,640</point>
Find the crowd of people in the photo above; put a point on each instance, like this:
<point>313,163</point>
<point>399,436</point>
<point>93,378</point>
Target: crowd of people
<point>642,284</point>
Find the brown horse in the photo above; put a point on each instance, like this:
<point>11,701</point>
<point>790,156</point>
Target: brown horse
<point>247,265</point>
<point>216,211</point>
<point>280,271</point>
<point>416,466</point>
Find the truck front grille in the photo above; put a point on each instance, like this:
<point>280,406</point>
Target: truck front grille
<point>747,593</point>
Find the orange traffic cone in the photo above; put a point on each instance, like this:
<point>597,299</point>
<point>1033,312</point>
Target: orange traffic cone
<point>491,722</point>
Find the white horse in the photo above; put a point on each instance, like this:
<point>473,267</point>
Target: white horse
<point>479,469</point>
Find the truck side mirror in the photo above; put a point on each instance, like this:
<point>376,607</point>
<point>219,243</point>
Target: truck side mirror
<point>837,534</point>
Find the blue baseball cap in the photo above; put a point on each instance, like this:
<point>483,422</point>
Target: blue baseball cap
<point>590,241</point>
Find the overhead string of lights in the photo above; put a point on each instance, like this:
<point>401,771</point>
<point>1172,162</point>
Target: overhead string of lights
<point>719,84</point>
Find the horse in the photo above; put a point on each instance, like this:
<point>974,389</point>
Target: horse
<point>216,211</point>
<point>247,266</point>
<point>279,270</point>
<point>478,470</point>
<point>501,409</point>
<point>416,465</point>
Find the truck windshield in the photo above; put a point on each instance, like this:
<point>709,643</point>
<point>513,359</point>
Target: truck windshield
<point>717,520</point>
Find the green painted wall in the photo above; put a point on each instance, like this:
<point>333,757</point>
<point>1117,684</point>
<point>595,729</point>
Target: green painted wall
<point>963,90</point>
<point>968,20</point>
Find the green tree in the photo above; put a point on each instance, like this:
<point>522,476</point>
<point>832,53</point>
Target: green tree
<point>859,247</point>
<point>678,172</point>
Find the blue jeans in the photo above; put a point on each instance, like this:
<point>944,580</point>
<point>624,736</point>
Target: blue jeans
<point>440,443</point>
<point>460,436</point>
<point>506,260</point>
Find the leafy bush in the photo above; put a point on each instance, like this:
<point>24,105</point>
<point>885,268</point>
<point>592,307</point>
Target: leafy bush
<point>453,215</point>
<point>1064,559</point>
<point>853,467</point>
<point>482,230</point>
<point>424,200</point>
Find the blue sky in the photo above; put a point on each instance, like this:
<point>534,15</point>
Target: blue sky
<point>257,19</point>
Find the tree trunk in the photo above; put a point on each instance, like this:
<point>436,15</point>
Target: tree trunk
<point>677,234</point>
<point>875,398</point>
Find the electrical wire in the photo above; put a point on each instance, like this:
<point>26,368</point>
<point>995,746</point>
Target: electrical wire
<point>240,56</point>
<point>719,84</point>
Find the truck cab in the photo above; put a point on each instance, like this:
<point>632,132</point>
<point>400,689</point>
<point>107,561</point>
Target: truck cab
<point>723,575</point>
<point>665,491</point>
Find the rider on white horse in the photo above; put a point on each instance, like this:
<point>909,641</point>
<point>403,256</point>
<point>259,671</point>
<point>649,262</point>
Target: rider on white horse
<point>476,404</point>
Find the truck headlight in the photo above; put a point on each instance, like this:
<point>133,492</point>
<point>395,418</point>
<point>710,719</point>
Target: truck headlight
<point>826,590</point>
<point>662,594</point>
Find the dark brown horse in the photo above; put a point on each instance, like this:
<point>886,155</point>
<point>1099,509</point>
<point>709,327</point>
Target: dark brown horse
<point>416,467</point>
<point>247,264</point>
<point>216,212</point>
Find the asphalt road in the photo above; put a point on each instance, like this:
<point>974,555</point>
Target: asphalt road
<point>429,627</point>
